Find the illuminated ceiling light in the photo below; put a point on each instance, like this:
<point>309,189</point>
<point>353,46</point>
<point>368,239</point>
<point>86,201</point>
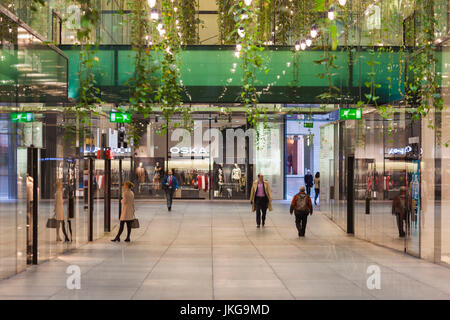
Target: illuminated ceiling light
<point>342,2</point>
<point>314,31</point>
<point>154,15</point>
<point>241,32</point>
<point>303,44</point>
<point>248,2</point>
<point>151,3</point>
<point>297,45</point>
<point>331,13</point>
<point>308,41</point>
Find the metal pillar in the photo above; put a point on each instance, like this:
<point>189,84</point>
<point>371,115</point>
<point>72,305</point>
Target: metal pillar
<point>91,199</point>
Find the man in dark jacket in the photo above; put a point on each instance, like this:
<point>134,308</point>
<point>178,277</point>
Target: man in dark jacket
<point>169,184</point>
<point>308,182</point>
<point>301,205</point>
<point>401,207</point>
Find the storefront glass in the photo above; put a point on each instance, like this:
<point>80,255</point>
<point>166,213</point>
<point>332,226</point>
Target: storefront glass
<point>386,178</point>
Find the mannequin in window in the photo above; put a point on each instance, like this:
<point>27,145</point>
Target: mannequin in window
<point>220,183</point>
<point>236,176</point>
<point>157,177</point>
<point>140,173</point>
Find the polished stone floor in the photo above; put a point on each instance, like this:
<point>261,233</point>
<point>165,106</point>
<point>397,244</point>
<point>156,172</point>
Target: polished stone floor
<point>213,250</point>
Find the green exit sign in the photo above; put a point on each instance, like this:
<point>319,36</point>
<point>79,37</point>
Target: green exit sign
<point>120,117</point>
<point>308,124</point>
<point>22,117</point>
<point>350,114</point>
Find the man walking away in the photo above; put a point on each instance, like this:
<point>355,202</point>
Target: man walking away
<point>308,182</point>
<point>169,184</point>
<point>301,205</point>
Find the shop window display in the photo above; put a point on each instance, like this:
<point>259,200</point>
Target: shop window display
<point>230,181</point>
<point>148,176</point>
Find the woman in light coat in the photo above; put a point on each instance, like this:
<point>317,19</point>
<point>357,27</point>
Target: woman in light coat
<point>261,199</point>
<point>127,214</point>
<point>59,211</point>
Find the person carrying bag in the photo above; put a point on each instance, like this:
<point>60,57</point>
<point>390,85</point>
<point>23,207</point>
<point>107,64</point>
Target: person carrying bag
<point>301,205</point>
<point>127,216</point>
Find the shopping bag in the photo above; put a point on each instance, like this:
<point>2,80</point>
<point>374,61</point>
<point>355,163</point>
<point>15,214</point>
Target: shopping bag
<point>135,224</point>
<point>51,223</point>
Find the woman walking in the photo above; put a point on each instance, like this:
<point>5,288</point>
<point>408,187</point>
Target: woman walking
<point>59,212</point>
<point>316,187</point>
<point>261,199</point>
<point>127,215</point>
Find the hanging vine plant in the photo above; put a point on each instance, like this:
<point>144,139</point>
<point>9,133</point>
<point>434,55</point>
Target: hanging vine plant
<point>144,81</point>
<point>89,94</point>
<point>249,51</point>
<point>189,23</point>
<point>170,89</point>
<point>226,21</point>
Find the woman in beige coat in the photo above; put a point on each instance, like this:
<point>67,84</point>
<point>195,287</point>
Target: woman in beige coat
<point>127,214</point>
<point>59,211</point>
<point>261,199</point>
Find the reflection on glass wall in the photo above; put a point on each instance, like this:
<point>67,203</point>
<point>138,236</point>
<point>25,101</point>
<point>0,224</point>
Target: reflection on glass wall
<point>386,157</point>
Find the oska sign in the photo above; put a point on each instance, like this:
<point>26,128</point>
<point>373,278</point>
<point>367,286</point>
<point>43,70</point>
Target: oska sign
<point>188,150</point>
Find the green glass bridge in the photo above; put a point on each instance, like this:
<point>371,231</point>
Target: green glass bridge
<point>212,74</point>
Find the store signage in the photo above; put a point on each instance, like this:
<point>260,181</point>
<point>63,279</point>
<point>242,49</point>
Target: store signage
<point>188,150</point>
<point>114,150</point>
<point>308,124</point>
<point>120,117</point>
<point>22,117</point>
<point>350,114</point>
<point>404,150</point>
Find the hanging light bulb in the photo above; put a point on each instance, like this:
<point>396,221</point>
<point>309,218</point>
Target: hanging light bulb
<point>303,44</point>
<point>313,31</point>
<point>151,3</point>
<point>248,2</point>
<point>331,13</point>
<point>342,2</point>
<point>236,54</point>
<point>154,15</point>
<point>238,47</point>
<point>308,41</point>
<point>297,45</point>
<point>241,32</point>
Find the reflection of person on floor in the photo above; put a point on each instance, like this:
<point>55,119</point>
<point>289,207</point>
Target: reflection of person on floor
<point>261,199</point>
<point>308,182</point>
<point>127,215</point>
<point>401,207</point>
<point>59,212</point>
<point>316,187</point>
<point>170,184</point>
<point>301,205</point>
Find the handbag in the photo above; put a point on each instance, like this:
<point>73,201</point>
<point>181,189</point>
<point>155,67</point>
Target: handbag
<point>135,223</point>
<point>51,223</point>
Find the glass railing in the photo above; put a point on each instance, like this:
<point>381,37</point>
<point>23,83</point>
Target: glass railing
<point>30,69</point>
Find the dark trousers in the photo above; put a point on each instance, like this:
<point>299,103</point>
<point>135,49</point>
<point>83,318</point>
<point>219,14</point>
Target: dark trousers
<point>261,204</point>
<point>308,190</point>
<point>169,196</point>
<point>122,224</point>
<point>61,223</point>
<point>316,195</point>
<point>301,218</point>
<point>401,231</point>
